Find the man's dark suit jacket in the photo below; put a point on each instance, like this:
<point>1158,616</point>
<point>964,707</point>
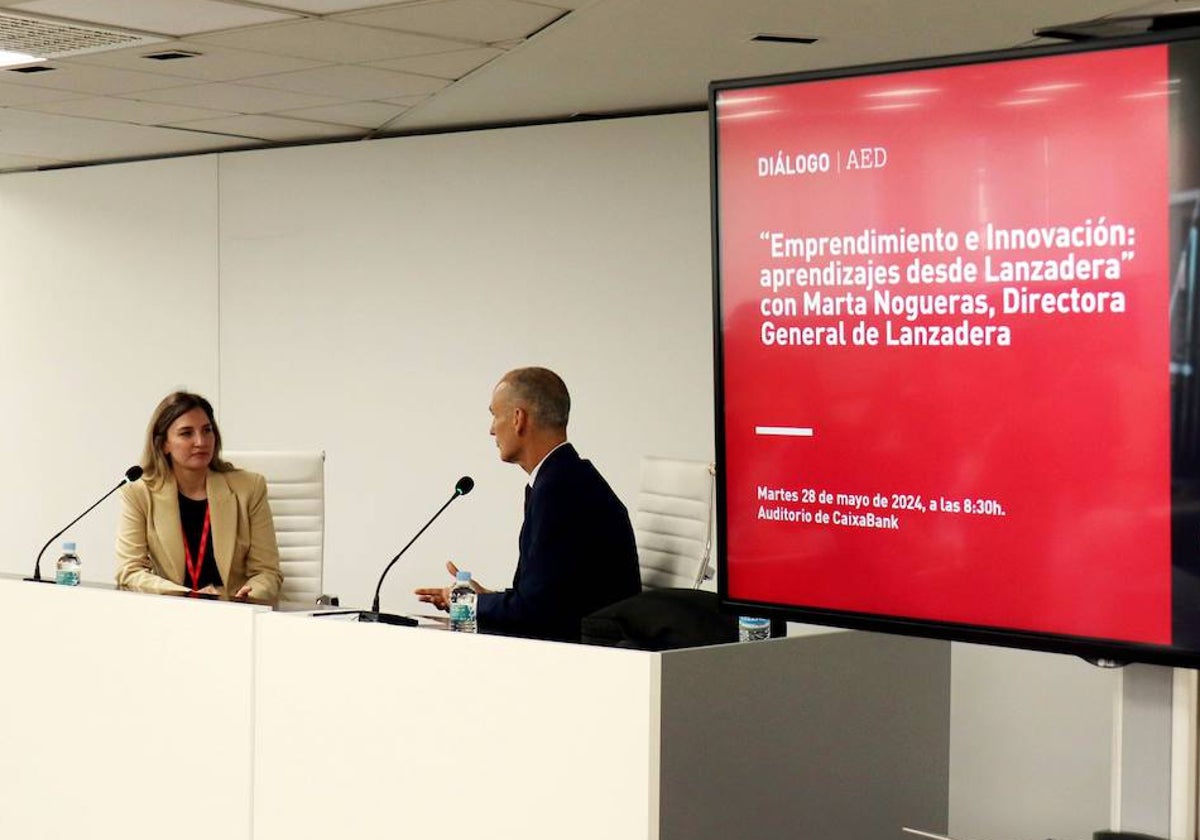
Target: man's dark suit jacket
<point>577,554</point>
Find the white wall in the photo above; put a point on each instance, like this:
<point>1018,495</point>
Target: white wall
<point>1031,744</point>
<point>108,300</point>
<point>372,294</point>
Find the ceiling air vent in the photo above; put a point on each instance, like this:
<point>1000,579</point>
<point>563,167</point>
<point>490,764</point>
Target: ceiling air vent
<point>33,68</point>
<point>170,55</point>
<point>54,39</point>
<point>771,38</point>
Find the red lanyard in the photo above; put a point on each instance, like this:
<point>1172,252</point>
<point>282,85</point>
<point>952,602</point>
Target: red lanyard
<point>194,568</point>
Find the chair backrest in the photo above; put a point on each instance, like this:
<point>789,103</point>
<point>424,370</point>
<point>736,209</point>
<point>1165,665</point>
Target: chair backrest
<point>673,522</point>
<point>296,492</point>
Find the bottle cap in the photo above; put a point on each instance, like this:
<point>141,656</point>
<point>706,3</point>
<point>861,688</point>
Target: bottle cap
<point>463,577</point>
<point>69,546</point>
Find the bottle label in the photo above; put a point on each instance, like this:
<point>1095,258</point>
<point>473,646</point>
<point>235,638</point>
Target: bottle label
<point>461,612</point>
<point>753,629</point>
<point>67,577</point>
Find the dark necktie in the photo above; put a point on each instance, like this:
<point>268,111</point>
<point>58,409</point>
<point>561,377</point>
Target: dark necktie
<point>528,493</point>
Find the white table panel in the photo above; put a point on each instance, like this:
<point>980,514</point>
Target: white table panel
<point>124,715</point>
<point>369,728</point>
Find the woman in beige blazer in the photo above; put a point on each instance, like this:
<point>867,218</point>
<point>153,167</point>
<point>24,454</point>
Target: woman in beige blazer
<point>195,522</point>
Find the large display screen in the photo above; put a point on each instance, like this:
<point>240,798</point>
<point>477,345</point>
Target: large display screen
<point>956,347</point>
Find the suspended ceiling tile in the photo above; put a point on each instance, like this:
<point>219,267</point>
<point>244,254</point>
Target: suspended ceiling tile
<point>212,64</point>
<point>451,65</point>
<point>329,7</point>
<point>18,95</point>
<point>346,81</point>
<point>77,139</point>
<point>338,43</point>
<point>166,17</point>
<point>239,99</point>
<point>265,127</point>
<point>12,163</point>
<point>406,101</point>
<point>361,114</point>
<point>611,55</point>
<point>84,78</point>
<point>127,110</point>
<point>484,21</point>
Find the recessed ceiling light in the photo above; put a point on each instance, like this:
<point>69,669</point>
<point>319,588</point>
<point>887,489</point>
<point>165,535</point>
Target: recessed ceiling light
<point>9,59</point>
<point>43,38</point>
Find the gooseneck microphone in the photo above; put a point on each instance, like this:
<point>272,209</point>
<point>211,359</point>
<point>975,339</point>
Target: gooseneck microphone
<point>464,486</point>
<point>131,474</point>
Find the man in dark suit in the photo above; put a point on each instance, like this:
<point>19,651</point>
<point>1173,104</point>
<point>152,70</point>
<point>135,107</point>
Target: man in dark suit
<point>577,552</point>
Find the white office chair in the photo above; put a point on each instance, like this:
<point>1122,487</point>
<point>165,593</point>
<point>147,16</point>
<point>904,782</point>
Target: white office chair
<point>296,492</point>
<point>673,522</point>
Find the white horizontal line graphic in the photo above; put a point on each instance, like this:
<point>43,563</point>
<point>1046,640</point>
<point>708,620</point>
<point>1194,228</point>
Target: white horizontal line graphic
<point>784,431</point>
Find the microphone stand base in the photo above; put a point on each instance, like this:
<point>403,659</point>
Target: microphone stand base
<point>39,580</point>
<point>369,617</point>
<point>386,618</point>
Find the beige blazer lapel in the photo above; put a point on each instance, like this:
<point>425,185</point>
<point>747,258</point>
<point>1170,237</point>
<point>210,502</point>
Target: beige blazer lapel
<point>168,528</point>
<point>222,507</point>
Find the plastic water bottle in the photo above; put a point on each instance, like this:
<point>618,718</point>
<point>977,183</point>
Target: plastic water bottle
<point>462,604</point>
<point>66,570</point>
<point>753,629</point>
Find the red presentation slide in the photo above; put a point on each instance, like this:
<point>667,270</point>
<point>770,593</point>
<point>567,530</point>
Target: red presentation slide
<point>944,307</point>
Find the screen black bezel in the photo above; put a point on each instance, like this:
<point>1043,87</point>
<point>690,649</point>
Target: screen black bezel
<point>1095,649</point>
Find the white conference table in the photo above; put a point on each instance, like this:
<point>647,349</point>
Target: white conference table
<point>138,716</point>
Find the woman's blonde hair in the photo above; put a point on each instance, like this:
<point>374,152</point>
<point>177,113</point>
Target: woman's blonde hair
<point>156,464</point>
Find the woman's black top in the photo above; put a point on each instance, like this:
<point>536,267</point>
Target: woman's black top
<point>191,513</point>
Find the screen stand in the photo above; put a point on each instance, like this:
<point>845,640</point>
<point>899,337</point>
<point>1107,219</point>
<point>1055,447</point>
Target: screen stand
<point>1156,749</point>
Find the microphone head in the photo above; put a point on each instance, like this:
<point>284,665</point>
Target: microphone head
<point>465,485</point>
<point>133,473</point>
